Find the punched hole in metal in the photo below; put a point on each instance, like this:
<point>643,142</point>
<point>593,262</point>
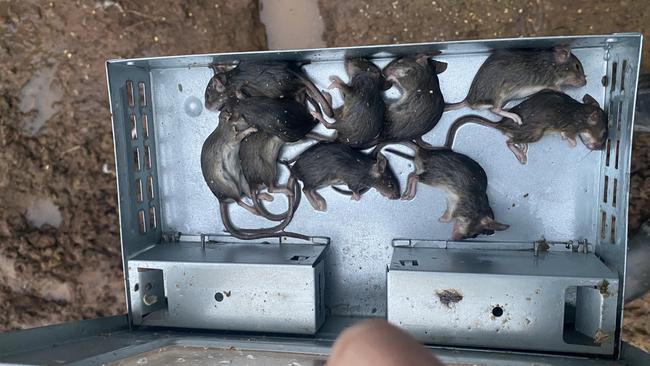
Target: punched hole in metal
<point>497,311</point>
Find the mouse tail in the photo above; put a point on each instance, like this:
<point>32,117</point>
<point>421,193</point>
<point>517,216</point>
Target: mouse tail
<point>472,118</point>
<point>454,106</point>
<point>410,144</point>
<point>401,154</point>
<point>347,192</point>
<point>270,232</point>
<point>315,94</point>
<point>263,211</point>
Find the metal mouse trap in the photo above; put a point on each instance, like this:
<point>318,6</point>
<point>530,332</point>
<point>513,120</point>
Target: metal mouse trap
<point>550,287</point>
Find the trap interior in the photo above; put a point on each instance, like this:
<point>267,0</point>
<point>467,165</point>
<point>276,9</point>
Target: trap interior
<point>562,194</point>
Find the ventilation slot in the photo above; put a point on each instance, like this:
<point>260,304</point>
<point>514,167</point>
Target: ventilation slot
<point>139,196</point>
<point>614,76</point>
<point>607,150</point>
<point>150,187</point>
<point>141,222</point>
<point>623,70</point>
<point>618,143</point>
<point>409,263</point>
<point>605,189</point>
<point>619,114</point>
<point>614,190</point>
<point>134,127</point>
<point>603,225</point>
<point>145,125</point>
<point>142,94</point>
<point>147,157</point>
<point>612,230</point>
<point>129,94</point>
<point>136,159</point>
<point>152,217</point>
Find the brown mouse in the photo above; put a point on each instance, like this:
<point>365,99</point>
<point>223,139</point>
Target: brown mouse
<point>421,104</point>
<point>221,168</point>
<point>544,113</point>
<point>258,154</point>
<point>465,183</point>
<point>272,79</point>
<point>517,73</point>
<point>361,118</point>
<point>329,163</point>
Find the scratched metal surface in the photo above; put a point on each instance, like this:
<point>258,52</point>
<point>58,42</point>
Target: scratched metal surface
<point>554,196</point>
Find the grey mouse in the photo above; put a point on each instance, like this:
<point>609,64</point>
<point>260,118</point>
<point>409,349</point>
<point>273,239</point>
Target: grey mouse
<point>329,163</point>
<point>221,168</point>
<point>515,74</point>
<point>272,79</point>
<point>465,183</point>
<point>361,118</point>
<point>544,113</point>
<point>421,104</point>
<point>284,118</point>
<point>258,154</point>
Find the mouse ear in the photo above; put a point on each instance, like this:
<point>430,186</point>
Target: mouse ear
<point>217,83</point>
<point>439,66</point>
<point>588,99</point>
<point>422,59</point>
<point>562,54</point>
<point>594,118</point>
<point>490,224</point>
<point>379,167</point>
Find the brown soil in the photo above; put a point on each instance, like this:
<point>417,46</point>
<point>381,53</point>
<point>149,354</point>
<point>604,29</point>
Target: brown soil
<point>50,274</point>
<point>356,22</point>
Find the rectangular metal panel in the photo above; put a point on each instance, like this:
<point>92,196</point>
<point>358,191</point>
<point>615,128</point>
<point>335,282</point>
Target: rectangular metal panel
<point>504,299</point>
<point>557,196</point>
<point>276,288</point>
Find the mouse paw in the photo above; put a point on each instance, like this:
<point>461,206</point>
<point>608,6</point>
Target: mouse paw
<point>265,197</point>
<point>356,196</point>
<point>407,197</point>
<point>336,82</point>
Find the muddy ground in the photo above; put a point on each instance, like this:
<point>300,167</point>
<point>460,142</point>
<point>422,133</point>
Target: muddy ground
<point>60,257</point>
<point>60,253</point>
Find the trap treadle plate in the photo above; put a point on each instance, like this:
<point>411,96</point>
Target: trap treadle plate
<point>504,299</point>
<point>276,288</point>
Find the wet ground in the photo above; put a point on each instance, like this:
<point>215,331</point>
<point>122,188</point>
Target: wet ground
<point>59,258</point>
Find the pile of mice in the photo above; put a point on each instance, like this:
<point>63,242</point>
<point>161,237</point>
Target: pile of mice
<point>265,104</point>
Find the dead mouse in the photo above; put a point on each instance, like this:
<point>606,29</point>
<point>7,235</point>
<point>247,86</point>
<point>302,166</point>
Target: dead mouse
<point>544,113</point>
<point>514,74</point>
<point>329,163</point>
<point>285,118</point>
<point>220,165</point>
<point>361,118</point>
<point>272,79</point>
<point>421,104</point>
<point>258,154</point>
<point>465,184</point>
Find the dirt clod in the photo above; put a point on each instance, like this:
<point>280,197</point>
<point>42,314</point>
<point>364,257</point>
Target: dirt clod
<point>449,297</point>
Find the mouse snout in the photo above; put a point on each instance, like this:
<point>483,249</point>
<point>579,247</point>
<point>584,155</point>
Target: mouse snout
<point>596,145</point>
<point>592,142</point>
<point>389,190</point>
<point>577,80</point>
<point>390,194</point>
